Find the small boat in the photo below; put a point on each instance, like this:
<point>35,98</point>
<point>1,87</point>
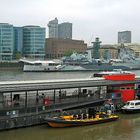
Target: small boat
<point>69,121</point>
<point>132,106</point>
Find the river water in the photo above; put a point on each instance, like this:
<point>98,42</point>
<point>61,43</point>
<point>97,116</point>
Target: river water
<point>126,128</point>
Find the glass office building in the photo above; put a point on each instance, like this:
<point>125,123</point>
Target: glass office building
<point>33,42</point>
<point>18,39</point>
<point>6,41</point>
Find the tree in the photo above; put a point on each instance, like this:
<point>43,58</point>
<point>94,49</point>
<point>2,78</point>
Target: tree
<point>18,55</point>
<point>68,53</point>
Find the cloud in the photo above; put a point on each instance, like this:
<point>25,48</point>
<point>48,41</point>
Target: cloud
<point>103,18</point>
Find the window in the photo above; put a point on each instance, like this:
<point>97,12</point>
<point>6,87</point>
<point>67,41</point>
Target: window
<point>127,103</point>
<point>132,104</point>
<point>137,103</point>
<point>122,88</point>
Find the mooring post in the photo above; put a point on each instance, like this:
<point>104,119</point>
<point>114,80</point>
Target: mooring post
<point>37,101</point>
<point>54,97</point>
<point>60,95</point>
<point>11,100</point>
<point>25,101</point>
<point>79,93</point>
<point>2,100</point>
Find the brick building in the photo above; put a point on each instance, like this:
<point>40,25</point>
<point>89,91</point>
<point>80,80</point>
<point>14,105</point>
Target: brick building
<point>108,51</point>
<point>57,48</point>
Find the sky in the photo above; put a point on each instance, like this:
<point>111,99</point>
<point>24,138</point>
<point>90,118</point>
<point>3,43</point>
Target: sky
<point>90,18</point>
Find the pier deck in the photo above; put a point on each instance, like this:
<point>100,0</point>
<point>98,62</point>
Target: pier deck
<point>21,105</point>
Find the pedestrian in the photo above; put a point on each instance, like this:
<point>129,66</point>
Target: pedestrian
<point>112,108</point>
<point>43,96</point>
<point>37,98</point>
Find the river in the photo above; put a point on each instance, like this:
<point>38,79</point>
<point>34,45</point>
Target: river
<point>9,75</point>
<point>126,128</point>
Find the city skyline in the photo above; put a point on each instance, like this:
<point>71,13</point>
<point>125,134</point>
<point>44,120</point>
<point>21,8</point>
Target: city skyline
<point>59,30</point>
<point>100,18</point>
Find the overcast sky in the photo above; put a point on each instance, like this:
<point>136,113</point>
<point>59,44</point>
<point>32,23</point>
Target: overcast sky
<point>90,18</point>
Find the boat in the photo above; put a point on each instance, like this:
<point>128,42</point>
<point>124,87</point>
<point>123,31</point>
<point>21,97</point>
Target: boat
<point>70,121</point>
<point>116,72</point>
<point>125,60</point>
<point>40,65</point>
<point>83,62</point>
<point>132,106</point>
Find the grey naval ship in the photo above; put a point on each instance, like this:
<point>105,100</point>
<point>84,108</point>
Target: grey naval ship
<point>84,62</point>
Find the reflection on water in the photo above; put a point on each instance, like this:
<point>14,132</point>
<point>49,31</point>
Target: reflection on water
<point>126,128</point>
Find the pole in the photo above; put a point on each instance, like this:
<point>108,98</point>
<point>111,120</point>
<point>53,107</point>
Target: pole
<point>37,101</point>
<point>54,97</point>
<point>11,99</point>
<point>26,101</point>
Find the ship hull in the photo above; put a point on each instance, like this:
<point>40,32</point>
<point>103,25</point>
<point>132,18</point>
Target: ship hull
<point>58,123</point>
<point>82,67</point>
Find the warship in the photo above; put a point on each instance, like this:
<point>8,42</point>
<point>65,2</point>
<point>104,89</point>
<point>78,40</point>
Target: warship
<point>125,61</point>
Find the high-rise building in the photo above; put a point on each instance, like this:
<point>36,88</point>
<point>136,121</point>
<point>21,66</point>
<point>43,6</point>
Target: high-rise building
<point>53,28</point>
<point>6,41</point>
<point>124,37</point>
<point>33,41</point>
<point>18,40</point>
<point>65,30</point>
